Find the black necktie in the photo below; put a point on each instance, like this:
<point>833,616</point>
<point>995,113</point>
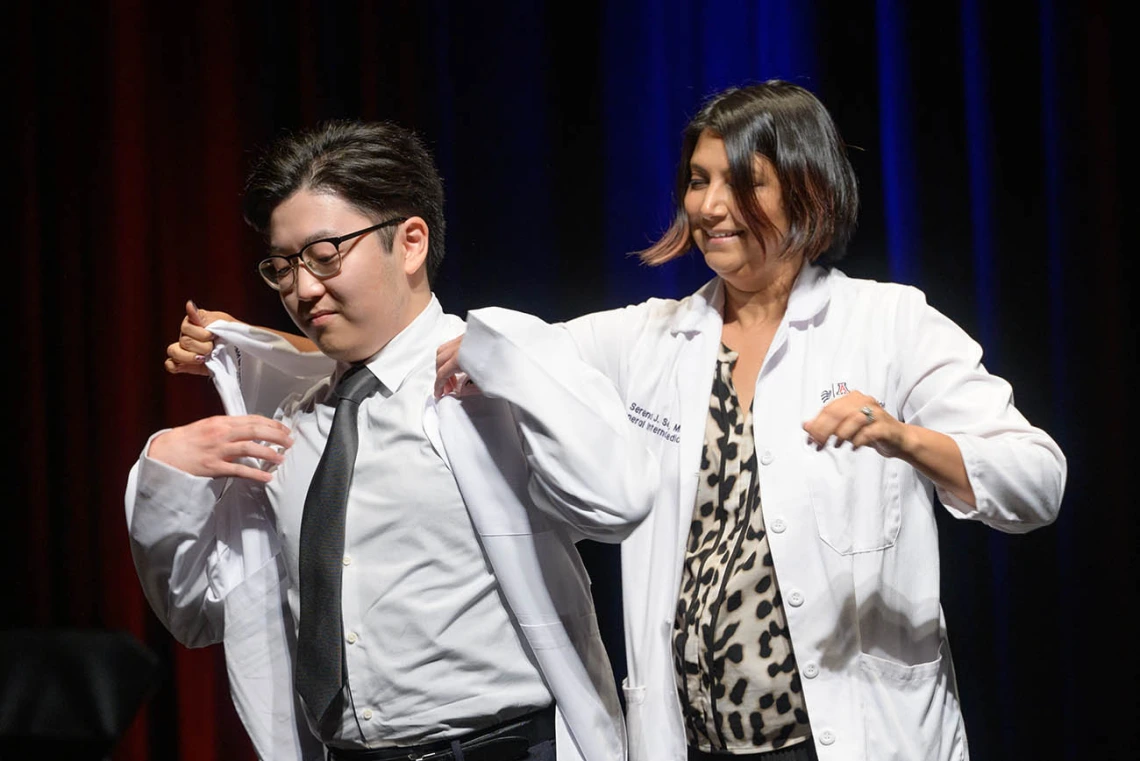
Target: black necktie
<point>320,671</point>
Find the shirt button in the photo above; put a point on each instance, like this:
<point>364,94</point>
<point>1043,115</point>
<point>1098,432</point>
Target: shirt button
<point>766,458</point>
<point>795,599</point>
<point>779,526</point>
<point>366,714</point>
<point>347,560</point>
<point>351,638</point>
<point>826,737</point>
<point>811,671</point>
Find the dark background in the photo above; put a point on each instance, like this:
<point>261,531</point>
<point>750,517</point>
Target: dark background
<point>991,149</point>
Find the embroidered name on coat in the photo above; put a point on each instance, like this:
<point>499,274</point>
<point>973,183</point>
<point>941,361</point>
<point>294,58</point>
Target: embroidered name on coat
<point>654,423</point>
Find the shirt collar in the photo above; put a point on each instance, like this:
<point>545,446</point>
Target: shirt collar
<point>405,352</point>
<point>810,295</point>
<point>702,309</point>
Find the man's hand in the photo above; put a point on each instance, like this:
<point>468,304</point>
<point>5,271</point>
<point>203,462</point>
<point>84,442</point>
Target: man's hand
<point>847,419</point>
<point>210,447</point>
<point>188,354</point>
<point>449,376</point>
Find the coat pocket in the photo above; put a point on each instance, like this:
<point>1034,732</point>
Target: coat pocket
<point>855,495</point>
<point>911,713</point>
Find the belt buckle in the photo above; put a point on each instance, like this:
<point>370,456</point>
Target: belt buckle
<point>430,755</point>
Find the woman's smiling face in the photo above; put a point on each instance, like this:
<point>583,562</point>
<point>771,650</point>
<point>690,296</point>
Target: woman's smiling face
<point>715,222</point>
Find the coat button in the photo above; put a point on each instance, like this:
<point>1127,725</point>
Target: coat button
<point>795,599</point>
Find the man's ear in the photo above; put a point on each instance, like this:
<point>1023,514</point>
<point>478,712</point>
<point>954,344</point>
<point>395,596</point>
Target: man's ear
<point>414,236</point>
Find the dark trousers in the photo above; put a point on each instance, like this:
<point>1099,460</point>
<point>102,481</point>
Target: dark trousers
<point>544,751</point>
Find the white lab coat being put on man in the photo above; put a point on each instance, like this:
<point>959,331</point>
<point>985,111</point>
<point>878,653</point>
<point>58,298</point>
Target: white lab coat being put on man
<point>220,578</point>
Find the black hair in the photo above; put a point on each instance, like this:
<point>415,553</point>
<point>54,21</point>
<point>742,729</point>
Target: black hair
<point>788,126</point>
<point>379,168</point>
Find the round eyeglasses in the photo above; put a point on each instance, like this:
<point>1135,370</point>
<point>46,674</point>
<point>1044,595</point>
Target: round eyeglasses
<point>321,258</point>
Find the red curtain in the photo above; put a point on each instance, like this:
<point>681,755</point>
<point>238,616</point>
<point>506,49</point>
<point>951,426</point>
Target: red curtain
<point>130,148</point>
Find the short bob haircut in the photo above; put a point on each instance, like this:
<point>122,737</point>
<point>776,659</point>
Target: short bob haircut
<point>379,168</point>
<point>789,127</point>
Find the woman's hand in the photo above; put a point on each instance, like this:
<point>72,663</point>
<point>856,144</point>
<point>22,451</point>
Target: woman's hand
<point>862,421</point>
<point>188,354</point>
<point>449,376</point>
<point>859,419</point>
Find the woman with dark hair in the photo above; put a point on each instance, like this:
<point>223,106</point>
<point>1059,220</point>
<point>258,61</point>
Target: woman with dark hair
<point>782,598</point>
<point>781,601</point>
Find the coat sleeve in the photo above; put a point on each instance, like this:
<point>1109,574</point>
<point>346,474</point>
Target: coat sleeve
<point>193,541</point>
<point>603,340</point>
<point>1016,470</point>
<point>208,555</point>
<point>586,469</point>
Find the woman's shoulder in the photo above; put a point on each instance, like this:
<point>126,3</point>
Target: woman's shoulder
<point>875,295</point>
<point>873,308</point>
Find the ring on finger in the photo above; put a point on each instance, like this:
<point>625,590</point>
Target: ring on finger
<point>867,413</point>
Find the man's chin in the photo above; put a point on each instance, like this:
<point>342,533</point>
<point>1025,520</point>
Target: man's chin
<point>340,352</point>
<point>328,346</point>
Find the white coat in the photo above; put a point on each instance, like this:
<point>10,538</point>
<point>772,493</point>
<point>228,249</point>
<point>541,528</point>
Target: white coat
<point>527,540</point>
<point>852,534</point>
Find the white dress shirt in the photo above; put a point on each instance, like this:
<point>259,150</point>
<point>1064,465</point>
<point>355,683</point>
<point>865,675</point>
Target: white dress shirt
<point>430,648</point>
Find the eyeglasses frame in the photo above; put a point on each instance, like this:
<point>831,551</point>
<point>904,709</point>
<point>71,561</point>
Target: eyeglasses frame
<point>298,258</point>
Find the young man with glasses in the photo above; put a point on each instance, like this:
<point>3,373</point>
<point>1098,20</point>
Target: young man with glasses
<point>388,606</point>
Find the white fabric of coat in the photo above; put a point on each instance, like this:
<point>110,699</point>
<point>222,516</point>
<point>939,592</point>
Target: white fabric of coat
<point>229,587</point>
<point>852,534</point>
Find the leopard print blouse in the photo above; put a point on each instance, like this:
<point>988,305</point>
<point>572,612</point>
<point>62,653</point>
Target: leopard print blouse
<point>736,672</point>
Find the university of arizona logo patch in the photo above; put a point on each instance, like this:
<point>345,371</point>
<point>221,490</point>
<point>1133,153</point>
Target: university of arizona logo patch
<point>834,392</point>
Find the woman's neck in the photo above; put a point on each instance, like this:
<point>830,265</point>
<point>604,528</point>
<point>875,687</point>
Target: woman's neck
<point>762,302</point>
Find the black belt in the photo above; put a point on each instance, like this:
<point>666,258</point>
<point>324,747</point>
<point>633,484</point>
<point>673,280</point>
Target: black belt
<point>510,740</point>
<point>804,751</point>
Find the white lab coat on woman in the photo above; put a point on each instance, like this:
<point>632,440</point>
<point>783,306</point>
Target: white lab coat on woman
<point>852,534</point>
<point>221,580</point>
